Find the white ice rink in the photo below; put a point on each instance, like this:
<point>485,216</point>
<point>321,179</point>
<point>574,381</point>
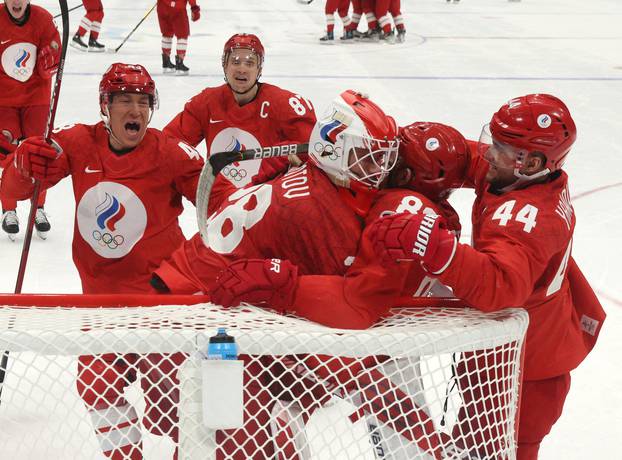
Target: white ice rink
<point>460,62</point>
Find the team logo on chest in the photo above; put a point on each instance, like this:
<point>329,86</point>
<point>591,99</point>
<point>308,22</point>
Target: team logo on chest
<point>18,61</point>
<point>239,173</point>
<point>111,219</point>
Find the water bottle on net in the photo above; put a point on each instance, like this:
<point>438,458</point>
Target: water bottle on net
<point>222,346</point>
<point>222,383</point>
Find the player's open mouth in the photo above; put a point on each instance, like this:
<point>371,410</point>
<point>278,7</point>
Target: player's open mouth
<point>132,128</point>
<point>241,79</point>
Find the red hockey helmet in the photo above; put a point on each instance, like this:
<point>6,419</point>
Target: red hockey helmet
<point>536,123</point>
<point>355,141</point>
<point>243,41</point>
<point>438,156</point>
<point>127,78</point>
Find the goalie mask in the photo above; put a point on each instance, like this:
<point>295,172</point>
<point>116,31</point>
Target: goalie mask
<point>355,141</point>
<point>437,156</point>
<point>536,123</point>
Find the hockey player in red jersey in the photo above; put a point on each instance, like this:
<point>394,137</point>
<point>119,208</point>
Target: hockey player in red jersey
<point>242,114</point>
<point>523,223</point>
<point>91,23</point>
<point>128,182</point>
<point>173,20</point>
<point>369,288</point>
<point>321,202</point>
<point>432,161</point>
<point>30,50</point>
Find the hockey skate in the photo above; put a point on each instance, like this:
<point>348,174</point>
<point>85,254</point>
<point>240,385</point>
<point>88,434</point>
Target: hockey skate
<point>371,36</point>
<point>78,43</point>
<point>348,36</point>
<point>10,224</point>
<point>328,39</point>
<point>167,65</point>
<point>388,38</point>
<point>401,36</point>
<point>95,46</point>
<point>180,67</point>
<point>42,225</point>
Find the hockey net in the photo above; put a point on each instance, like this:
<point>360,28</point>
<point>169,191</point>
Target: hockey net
<point>95,383</point>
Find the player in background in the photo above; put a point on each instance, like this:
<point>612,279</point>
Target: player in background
<point>92,23</point>
<point>523,223</point>
<point>241,114</point>
<point>128,182</point>
<point>341,7</point>
<point>379,13</point>
<point>173,20</point>
<point>30,51</point>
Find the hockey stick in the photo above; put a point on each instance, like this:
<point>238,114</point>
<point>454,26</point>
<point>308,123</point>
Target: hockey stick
<point>133,30</point>
<point>69,10</point>
<point>217,161</point>
<point>37,191</point>
<point>48,133</point>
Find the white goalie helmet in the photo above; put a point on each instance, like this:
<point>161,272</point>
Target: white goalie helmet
<point>354,141</point>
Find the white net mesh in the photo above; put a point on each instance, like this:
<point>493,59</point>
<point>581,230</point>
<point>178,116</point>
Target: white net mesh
<point>96,383</point>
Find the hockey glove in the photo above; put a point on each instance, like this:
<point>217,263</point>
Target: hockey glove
<point>47,60</point>
<point>271,282</point>
<point>37,159</point>
<point>420,237</point>
<point>195,13</point>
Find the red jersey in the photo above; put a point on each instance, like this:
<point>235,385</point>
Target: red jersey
<point>369,289</point>
<point>176,4</point>
<point>298,216</point>
<point>127,205</point>
<point>522,242</point>
<point>19,45</point>
<point>276,116</point>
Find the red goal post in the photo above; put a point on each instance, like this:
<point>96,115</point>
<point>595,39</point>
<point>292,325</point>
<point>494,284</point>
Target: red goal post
<point>122,374</point>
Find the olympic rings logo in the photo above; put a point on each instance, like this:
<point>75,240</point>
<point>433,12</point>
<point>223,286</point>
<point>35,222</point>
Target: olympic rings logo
<point>107,239</point>
<point>19,71</point>
<point>327,150</point>
<point>234,173</point>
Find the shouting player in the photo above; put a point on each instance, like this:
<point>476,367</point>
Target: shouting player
<point>128,182</point>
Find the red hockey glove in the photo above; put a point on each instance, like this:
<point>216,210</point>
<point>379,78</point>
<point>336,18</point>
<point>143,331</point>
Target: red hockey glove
<point>421,237</point>
<point>47,60</point>
<point>195,13</point>
<point>256,281</point>
<point>37,159</point>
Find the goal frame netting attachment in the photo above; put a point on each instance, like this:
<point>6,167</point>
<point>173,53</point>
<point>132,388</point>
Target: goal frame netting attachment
<point>431,382</point>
